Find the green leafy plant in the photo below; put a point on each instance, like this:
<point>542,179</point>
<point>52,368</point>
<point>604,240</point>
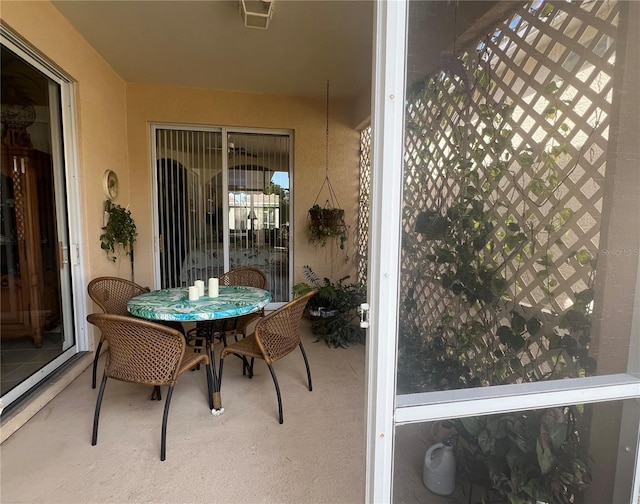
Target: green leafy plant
<point>120,230</point>
<point>525,457</point>
<point>474,249</point>
<point>325,223</point>
<point>334,308</point>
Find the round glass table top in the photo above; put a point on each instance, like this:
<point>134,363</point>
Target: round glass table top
<point>174,304</point>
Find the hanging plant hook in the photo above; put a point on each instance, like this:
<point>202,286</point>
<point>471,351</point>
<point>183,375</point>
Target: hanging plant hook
<point>328,221</point>
<point>332,200</point>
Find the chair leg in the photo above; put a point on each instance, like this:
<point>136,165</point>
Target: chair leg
<point>156,395</point>
<point>275,382</point>
<point>245,366</point>
<point>235,329</point>
<point>165,416</point>
<point>95,364</point>
<point>306,363</point>
<point>96,415</point>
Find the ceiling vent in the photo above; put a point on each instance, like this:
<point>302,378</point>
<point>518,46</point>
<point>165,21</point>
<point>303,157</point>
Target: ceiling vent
<point>256,13</point>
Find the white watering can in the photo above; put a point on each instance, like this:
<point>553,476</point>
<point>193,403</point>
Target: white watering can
<point>439,472</point>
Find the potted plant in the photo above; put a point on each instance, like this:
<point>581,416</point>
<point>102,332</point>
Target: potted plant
<point>118,231</point>
<point>322,304</point>
<point>326,223</point>
<point>334,308</point>
<point>524,457</point>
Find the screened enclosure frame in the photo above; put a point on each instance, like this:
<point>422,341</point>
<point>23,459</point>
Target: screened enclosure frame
<point>385,410</point>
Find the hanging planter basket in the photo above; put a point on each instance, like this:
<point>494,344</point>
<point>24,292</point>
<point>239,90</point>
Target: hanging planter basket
<point>327,217</point>
<point>118,233</point>
<point>326,223</point>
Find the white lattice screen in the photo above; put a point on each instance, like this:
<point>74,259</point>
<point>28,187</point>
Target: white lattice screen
<point>364,200</point>
<point>542,79</point>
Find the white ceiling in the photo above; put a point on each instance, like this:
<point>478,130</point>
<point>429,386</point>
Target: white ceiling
<point>204,44</point>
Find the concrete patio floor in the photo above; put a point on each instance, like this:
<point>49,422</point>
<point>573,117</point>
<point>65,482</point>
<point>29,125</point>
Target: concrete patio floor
<point>242,456</point>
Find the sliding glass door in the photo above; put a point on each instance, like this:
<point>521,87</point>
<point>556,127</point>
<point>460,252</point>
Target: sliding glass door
<point>37,316</point>
<point>259,198</point>
<point>222,199</point>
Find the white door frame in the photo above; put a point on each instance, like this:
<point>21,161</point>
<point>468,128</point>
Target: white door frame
<point>387,129</point>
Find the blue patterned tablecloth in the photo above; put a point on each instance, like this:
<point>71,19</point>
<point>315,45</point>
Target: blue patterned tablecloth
<point>174,304</point>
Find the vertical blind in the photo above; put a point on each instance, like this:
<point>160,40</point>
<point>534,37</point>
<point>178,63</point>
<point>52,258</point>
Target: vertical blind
<point>223,205</point>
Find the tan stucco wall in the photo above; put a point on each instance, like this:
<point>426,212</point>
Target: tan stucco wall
<point>148,104</point>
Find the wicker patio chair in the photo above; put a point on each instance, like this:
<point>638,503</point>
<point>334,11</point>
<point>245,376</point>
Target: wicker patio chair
<point>112,294</point>
<point>144,352</point>
<point>276,336</point>
<point>247,277</point>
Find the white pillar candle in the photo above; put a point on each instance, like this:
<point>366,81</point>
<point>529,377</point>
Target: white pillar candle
<point>200,285</point>
<point>193,293</point>
<point>213,287</point>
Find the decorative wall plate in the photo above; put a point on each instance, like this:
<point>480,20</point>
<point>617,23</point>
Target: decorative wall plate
<point>110,184</point>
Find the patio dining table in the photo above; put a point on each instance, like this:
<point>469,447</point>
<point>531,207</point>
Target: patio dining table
<point>174,305</point>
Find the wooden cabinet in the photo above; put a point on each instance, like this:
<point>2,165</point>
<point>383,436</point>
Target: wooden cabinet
<point>29,281</point>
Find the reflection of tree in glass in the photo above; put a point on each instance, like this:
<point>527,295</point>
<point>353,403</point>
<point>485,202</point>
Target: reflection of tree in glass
<point>283,193</point>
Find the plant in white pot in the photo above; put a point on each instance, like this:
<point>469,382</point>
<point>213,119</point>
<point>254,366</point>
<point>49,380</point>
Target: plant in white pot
<point>334,308</point>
